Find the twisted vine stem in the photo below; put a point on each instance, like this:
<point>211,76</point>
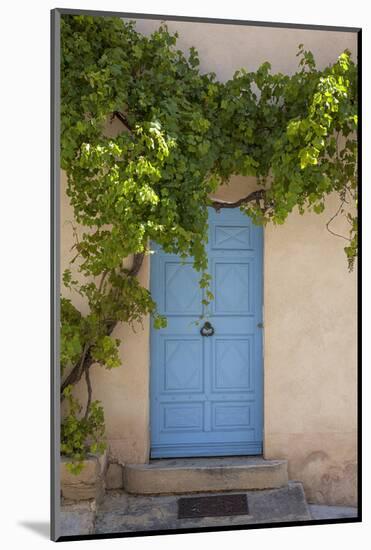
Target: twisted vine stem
<point>86,360</point>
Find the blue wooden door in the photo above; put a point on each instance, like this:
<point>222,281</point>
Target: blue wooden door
<point>206,391</point>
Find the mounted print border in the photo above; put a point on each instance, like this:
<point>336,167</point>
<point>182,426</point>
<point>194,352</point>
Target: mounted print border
<point>206,250</point>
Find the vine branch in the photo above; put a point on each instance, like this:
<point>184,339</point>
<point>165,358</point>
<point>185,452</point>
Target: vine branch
<point>90,391</point>
<point>332,218</point>
<point>86,360</point>
<point>123,119</point>
<point>254,196</point>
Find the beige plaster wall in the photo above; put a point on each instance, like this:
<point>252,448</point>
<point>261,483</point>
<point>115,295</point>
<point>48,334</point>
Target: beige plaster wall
<point>309,304</point>
<point>310,355</point>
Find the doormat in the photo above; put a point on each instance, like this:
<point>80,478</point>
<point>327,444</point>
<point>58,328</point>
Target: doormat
<point>219,505</point>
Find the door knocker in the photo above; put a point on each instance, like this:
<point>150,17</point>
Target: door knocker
<point>207,329</point>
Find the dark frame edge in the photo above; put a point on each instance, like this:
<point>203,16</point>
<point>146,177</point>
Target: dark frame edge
<point>359,278</point>
<point>55,273</point>
<point>214,529</point>
<point>195,19</point>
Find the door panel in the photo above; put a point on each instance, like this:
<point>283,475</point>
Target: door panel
<point>206,392</point>
<point>181,277</point>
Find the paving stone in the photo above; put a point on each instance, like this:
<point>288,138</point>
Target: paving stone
<point>77,518</point>
<point>153,513</point>
<point>286,504</point>
<point>123,512</point>
<point>320,511</point>
<point>114,501</point>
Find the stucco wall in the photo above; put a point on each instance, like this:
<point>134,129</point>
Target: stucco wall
<point>309,304</point>
<point>310,356</point>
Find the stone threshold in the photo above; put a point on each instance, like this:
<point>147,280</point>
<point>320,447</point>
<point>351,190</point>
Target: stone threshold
<point>188,475</point>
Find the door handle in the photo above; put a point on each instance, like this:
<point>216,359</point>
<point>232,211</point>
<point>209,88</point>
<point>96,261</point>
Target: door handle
<point>207,329</point>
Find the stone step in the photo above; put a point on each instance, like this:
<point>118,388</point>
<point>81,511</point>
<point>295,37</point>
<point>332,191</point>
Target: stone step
<point>122,512</point>
<point>188,475</point>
